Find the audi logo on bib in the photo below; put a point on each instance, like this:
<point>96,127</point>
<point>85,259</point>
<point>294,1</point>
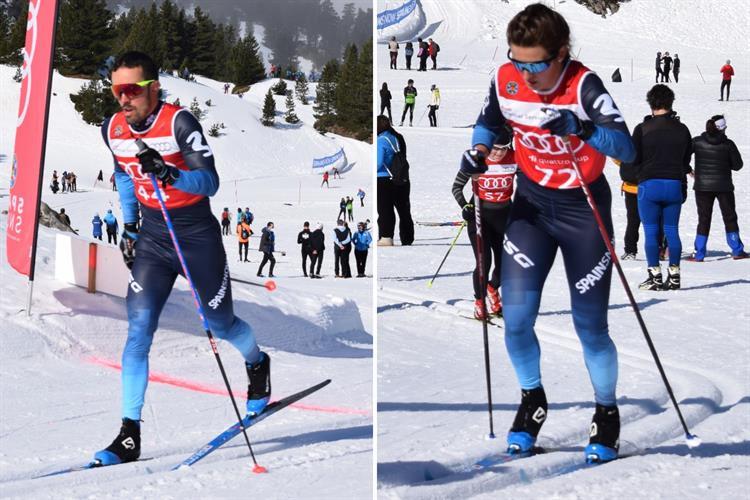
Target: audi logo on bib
<point>496,182</point>
<point>545,143</point>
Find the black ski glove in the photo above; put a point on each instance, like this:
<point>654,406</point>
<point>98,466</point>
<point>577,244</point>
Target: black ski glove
<point>127,243</point>
<point>563,122</point>
<point>153,163</point>
<point>473,162</point>
<point>467,212</point>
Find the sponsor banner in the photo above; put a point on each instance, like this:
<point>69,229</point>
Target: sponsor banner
<point>336,159</point>
<point>394,16</point>
<point>31,134</point>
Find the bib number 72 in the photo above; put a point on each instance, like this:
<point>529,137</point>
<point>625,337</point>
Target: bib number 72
<point>560,181</point>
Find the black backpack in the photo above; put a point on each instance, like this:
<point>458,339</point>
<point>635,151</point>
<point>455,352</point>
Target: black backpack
<point>245,234</point>
<point>399,168</point>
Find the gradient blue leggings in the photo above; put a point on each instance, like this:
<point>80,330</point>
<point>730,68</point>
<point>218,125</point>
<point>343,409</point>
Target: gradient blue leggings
<point>661,200</point>
<point>541,221</point>
<point>154,272</point>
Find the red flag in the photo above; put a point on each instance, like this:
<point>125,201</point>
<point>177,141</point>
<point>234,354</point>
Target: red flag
<point>31,135</point>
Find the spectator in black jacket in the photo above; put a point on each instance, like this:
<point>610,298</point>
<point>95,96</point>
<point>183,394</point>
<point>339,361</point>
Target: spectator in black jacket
<point>716,156</point>
<point>663,148</point>
<point>303,238</point>
<point>667,67</point>
<point>408,52</point>
<point>676,68</point>
<point>658,66</point>
<point>385,100</point>
<point>317,249</point>
<point>267,246</point>
<point>423,53</point>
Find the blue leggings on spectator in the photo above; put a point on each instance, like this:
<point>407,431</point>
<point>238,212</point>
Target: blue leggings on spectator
<point>661,200</point>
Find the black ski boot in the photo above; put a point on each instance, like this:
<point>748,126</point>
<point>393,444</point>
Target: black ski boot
<point>259,384</point>
<point>654,281</point>
<point>125,448</point>
<point>604,435</point>
<point>673,278</point>
<point>531,414</point>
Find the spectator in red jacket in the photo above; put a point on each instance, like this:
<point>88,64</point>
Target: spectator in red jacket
<point>727,71</point>
<point>433,50</point>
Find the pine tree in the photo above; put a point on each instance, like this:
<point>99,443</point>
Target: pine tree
<point>269,110</point>
<point>300,87</point>
<point>196,110</point>
<point>346,90</point>
<point>325,100</point>
<point>170,35</point>
<point>290,116</point>
<point>83,36</point>
<point>203,59</point>
<point>144,35</point>
<point>279,87</point>
<point>94,102</point>
<point>6,27</point>
<point>362,106</point>
<point>246,66</point>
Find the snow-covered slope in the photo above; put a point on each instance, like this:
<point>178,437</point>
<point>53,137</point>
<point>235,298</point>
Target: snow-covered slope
<point>59,386</point>
<point>431,391</point>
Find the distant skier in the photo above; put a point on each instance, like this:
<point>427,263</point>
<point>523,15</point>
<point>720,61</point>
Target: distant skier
<point>325,180</point>
<point>495,188</point>
<point>434,105</point>
<point>187,176</point>
<point>385,100</point>
<point>362,240</point>
<point>112,227</point>
<point>727,72</point>
<point>361,196</point>
<point>336,174</point>
<point>303,239</point>
<point>266,246</point>
<point>716,157</point>
<point>662,183</point>
<point>410,98</point>
<point>393,51</point>
<point>423,52</point>
<point>97,224</point>
<point>676,68</point>
<point>550,212</point>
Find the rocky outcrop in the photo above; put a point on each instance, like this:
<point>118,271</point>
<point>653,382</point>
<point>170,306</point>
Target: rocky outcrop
<point>49,218</point>
<point>602,7</point>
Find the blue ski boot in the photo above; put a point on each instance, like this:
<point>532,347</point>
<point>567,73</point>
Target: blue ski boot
<point>125,448</point>
<point>531,414</point>
<point>259,385</point>
<point>604,435</point>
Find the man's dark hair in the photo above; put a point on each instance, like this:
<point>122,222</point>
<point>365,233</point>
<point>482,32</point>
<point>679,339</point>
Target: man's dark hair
<point>537,24</point>
<point>383,123</point>
<point>306,224</point>
<point>660,97</point>
<point>135,59</point>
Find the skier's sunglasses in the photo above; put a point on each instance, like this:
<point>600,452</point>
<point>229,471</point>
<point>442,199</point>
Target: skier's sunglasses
<point>532,67</point>
<point>131,90</point>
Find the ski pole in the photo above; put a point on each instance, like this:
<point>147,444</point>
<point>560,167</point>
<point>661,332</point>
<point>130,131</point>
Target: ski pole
<point>483,295</point>
<point>461,228</point>
<point>269,285</point>
<point>691,439</point>
<point>257,468</point>
<point>423,113</point>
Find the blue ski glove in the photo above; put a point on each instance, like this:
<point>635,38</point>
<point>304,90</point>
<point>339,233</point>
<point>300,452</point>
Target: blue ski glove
<point>153,163</point>
<point>473,162</point>
<point>563,122</point>
<point>127,243</point>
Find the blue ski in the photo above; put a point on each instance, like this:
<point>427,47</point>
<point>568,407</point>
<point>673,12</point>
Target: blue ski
<point>503,458</point>
<point>249,421</point>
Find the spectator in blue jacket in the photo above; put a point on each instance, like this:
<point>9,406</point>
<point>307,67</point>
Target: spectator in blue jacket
<point>112,227</point>
<point>362,241</point>
<point>390,195</point>
<point>97,223</point>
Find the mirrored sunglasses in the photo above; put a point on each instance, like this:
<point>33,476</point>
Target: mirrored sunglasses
<point>532,67</point>
<point>130,90</point>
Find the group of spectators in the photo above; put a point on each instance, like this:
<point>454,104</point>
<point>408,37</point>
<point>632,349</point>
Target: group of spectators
<point>109,222</point>
<point>425,50</point>
<point>666,64</point>
<point>276,71</point>
<point>68,180</point>
<point>313,246</point>
<point>410,100</point>
<point>655,185</point>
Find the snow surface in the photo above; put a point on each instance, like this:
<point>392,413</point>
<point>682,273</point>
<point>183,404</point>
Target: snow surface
<point>60,396</point>
<point>432,409</point>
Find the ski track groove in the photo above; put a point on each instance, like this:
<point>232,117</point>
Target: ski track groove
<point>559,463</point>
